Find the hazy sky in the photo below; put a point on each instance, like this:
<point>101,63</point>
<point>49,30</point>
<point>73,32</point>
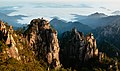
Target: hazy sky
<point>59,8</point>
<point>111,4</point>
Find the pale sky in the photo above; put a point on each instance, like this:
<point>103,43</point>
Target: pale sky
<point>112,4</point>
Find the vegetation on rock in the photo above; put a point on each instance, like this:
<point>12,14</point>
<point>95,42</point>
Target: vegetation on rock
<point>36,48</point>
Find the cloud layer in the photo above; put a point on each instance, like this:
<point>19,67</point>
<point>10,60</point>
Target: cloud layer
<point>111,4</point>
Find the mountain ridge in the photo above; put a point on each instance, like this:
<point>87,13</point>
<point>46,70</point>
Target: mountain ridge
<point>66,26</point>
<point>12,20</point>
<point>37,48</point>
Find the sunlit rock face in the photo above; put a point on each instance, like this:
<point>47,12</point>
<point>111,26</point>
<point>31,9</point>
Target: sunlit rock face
<point>12,50</point>
<point>7,36</point>
<point>3,27</point>
<point>44,41</point>
<point>77,49</point>
<point>91,48</point>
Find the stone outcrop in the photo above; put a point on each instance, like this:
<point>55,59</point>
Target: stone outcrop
<point>3,30</point>
<point>43,39</point>
<point>76,49</point>
<point>12,50</point>
<point>3,27</point>
<point>90,47</point>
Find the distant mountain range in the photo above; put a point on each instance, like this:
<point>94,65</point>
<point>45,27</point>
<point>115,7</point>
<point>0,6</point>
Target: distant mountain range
<point>116,12</point>
<point>9,9</point>
<point>12,20</point>
<point>97,19</point>
<point>92,21</point>
<point>104,26</point>
<point>84,23</point>
<point>63,26</point>
<point>97,15</point>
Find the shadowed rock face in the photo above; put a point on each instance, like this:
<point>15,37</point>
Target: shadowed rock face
<point>77,49</point>
<point>44,41</point>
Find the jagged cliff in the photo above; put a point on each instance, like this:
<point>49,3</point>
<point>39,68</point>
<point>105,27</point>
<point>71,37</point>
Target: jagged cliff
<point>43,39</point>
<point>7,37</point>
<point>77,49</point>
<point>38,45</point>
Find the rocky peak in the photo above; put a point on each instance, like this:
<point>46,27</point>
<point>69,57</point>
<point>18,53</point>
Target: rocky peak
<point>44,41</point>
<point>97,15</point>
<point>91,47</point>
<point>3,27</point>
<point>77,48</point>
<point>40,24</point>
<point>12,51</point>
